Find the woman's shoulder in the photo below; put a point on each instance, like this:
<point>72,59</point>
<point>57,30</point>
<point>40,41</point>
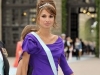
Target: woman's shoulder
<point>29,36</point>
<point>58,39</point>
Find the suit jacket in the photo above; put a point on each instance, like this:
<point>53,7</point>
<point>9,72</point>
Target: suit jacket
<point>6,64</point>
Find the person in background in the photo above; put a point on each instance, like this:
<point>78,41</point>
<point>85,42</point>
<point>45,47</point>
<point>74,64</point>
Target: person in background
<point>33,53</point>
<point>78,48</point>
<point>3,49</point>
<point>83,46</point>
<point>63,36</point>
<point>4,63</point>
<point>18,52</point>
<point>69,47</point>
<point>25,31</point>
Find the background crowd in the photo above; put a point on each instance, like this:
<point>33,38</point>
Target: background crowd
<point>77,47</point>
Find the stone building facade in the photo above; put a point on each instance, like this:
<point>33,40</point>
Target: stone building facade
<point>10,29</point>
<point>56,31</point>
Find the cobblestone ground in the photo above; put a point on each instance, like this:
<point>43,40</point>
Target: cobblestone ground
<point>87,65</point>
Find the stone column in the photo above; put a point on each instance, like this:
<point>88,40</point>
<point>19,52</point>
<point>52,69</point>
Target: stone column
<point>0,20</point>
<point>59,17</point>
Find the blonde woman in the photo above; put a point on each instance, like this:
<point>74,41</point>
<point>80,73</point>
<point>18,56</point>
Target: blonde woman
<point>27,29</point>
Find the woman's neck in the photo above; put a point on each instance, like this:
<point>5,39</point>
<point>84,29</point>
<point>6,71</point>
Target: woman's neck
<point>43,32</point>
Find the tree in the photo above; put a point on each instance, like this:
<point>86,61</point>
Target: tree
<point>98,29</point>
<point>64,16</point>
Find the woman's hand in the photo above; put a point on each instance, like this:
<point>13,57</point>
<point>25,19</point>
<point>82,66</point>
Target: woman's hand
<point>72,74</point>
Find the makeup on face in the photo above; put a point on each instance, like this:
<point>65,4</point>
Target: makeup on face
<point>46,18</point>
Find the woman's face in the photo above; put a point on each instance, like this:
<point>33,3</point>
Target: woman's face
<point>46,20</point>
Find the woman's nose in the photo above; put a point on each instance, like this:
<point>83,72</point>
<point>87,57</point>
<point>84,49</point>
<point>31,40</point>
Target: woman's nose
<point>47,19</point>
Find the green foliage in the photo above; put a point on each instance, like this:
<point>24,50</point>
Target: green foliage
<point>88,31</point>
<point>89,35</point>
<point>97,28</point>
<point>64,16</point>
<point>97,42</point>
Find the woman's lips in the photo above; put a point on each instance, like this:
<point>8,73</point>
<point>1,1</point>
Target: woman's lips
<point>47,24</point>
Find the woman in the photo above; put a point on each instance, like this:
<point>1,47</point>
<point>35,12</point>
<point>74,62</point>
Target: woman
<point>25,31</point>
<point>4,64</point>
<point>18,52</point>
<point>78,48</point>
<point>33,53</point>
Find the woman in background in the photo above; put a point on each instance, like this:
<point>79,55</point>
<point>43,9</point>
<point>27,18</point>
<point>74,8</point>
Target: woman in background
<point>25,31</point>
<point>78,48</point>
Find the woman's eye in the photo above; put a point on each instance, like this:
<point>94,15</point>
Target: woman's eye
<point>43,16</point>
<point>51,16</point>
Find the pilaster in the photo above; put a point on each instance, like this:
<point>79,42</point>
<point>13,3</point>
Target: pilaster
<point>59,17</point>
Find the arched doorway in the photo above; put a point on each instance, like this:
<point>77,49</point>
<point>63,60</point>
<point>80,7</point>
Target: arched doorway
<point>74,8</point>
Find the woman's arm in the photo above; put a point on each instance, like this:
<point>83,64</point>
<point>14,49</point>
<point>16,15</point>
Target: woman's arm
<point>25,62</point>
<point>19,68</point>
<point>64,66</point>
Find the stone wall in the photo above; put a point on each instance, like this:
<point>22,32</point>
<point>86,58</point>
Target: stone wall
<point>82,21</point>
<point>59,17</point>
<point>59,21</point>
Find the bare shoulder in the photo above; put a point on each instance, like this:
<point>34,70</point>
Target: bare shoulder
<point>55,37</point>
